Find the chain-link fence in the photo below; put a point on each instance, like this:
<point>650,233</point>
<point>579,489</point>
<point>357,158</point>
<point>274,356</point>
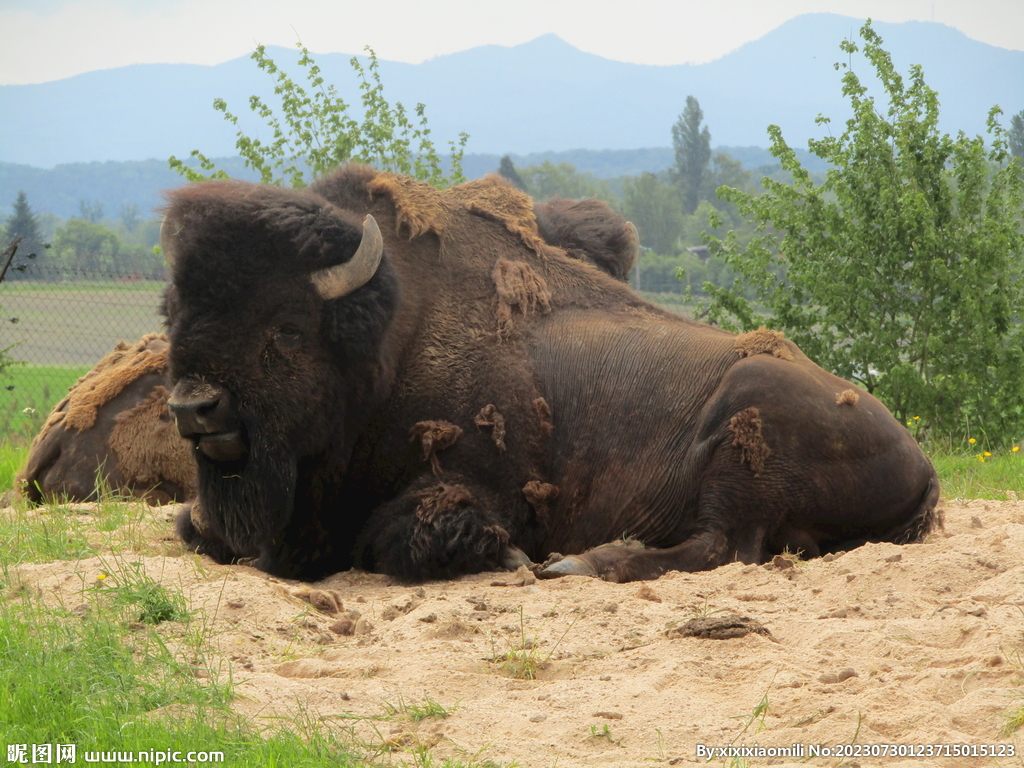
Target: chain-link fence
<point>56,323</point>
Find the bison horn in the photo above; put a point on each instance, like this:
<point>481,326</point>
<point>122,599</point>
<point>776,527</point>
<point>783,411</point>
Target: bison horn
<point>166,247</point>
<point>635,242</point>
<point>342,279</point>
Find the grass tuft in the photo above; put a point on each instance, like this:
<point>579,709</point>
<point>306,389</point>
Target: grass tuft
<point>417,712</point>
<point>128,588</point>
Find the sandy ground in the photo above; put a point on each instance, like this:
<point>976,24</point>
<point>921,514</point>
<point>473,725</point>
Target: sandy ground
<point>904,646</point>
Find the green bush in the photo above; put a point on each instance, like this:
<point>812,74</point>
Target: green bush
<point>903,270</point>
<point>315,131</point>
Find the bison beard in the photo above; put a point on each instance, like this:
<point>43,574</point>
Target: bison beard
<point>246,504</point>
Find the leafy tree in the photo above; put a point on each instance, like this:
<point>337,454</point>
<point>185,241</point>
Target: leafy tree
<point>130,216</point>
<point>315,132</point>
<point>508,171</point>
<point>91,211</point>
<point>656,209</point>
<point>88,247</point>
<point>692,147</point>
<point>562,180</point>
<point>1016,135</point>
<point>24,224</point>
<point>724,170</point>
<point>903,270</point>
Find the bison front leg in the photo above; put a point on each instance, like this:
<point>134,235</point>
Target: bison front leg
<point>622,561</point>
<point>438,529</point>
<point>189,527</point>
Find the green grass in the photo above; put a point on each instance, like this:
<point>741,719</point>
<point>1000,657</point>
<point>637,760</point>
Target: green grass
<point>417,712</point>
<point>28,393</point>
<point>87,678</point>
<point>42,537</point>
<point>67,533</point>
<point>132,669</point>
<point>127,586</point>
<point>999,476</point>
<point>12,458</point>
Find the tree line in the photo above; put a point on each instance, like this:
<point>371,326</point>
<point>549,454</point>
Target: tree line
<point>90,246</point>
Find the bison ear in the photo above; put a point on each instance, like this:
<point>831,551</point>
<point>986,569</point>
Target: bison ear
<point>342,279</point>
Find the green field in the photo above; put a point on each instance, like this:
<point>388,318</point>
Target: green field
<point>58,331</point>
<point>28,394</point>
<point>55,324</point>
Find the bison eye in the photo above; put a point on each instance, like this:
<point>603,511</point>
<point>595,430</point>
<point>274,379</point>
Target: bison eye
<point>289,335</point>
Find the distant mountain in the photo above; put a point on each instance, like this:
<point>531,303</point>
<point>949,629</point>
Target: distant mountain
<point>544,95</point>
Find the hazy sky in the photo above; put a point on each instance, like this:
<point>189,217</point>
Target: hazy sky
<point>43,40</point>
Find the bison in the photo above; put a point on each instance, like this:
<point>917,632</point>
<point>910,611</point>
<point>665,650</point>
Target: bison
<point>375,373</point>
<point>79,457</point>
<point>590,231</point>
<point>113,432</point>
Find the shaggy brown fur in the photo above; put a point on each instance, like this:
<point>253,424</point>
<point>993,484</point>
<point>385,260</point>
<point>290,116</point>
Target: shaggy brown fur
<point>149,448</point>
<point>543,411</point>
<point>662,420</point>
<point>589,230</point>
<point>104,382</point>
<point>489,417</point>
<point>195,513</point>
<point>111,375</point>
<point>441,499</point>
<point>492,197</point>
<point>847,397</point>
<point>518,287</point>
<point>327,601</point>
<point>434,437</point>
<point>747,436</point>
<point>763,341</point>
<point>540,496</point>
<point>422,208</point>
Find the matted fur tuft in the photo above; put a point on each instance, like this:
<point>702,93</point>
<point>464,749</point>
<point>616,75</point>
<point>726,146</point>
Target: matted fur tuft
<point>109,377</point>
<point>847,397</point>
<point>421,208</point>
<point>763,341</point>
<point>747,436</point>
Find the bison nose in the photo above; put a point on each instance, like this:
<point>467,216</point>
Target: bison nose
<point>202,409</point>
<point>206,414</point>
<point>194,417</point>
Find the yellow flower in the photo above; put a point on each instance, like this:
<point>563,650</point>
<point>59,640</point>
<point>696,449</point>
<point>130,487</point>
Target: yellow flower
<point>917,418</point>
<point>1015,448</point>
<point>101,577</point>
<point>971,440</point>
<point>986,454</point>
<point>981,458</point>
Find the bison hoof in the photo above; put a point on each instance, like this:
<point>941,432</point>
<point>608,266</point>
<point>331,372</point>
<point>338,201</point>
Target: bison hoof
<point>568,566</point>
<point>515,558</point>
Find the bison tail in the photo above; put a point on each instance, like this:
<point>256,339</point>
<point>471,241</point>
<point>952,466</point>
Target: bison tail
<point>927,517</point>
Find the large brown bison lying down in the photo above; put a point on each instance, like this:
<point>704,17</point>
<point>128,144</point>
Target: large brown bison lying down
<point>379,374</point>
<point>113,432</point>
